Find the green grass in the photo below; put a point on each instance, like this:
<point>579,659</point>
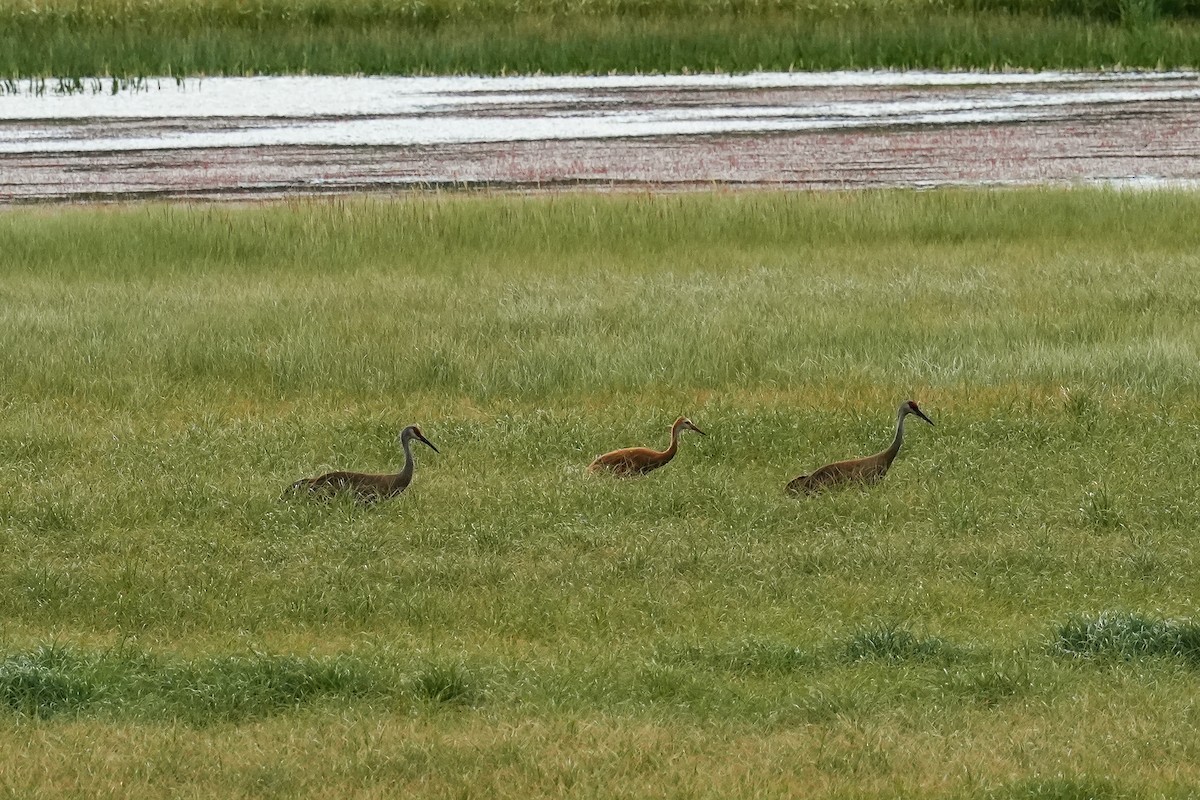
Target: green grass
<point>1011,613</point>
<point>130,40</point>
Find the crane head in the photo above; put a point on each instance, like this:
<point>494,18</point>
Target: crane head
<point>413,432</point>
<point>911,408</point>
<point>686,424</point>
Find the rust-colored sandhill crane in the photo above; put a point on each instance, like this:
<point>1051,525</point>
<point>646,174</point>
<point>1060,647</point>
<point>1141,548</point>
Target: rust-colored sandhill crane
<point>367,487</point>
<point>640,460</point>
<point>857,470</point>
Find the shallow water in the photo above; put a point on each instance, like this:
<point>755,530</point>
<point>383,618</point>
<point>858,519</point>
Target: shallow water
<point>285,135</point>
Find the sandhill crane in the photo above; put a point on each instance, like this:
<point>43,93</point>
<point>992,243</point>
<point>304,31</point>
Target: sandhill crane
<point>367,487</point>
<point>857,470</point>
<point>640,460</point>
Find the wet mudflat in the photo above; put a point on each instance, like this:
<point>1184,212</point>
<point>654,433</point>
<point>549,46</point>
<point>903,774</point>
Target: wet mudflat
<point>268,137</point>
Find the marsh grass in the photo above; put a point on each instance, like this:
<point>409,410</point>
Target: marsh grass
<point>74,43</point>
<point>512,626</point>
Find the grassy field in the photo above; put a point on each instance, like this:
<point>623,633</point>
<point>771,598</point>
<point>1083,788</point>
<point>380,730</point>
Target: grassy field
<point>129,39</point>
<point>1008,615</point>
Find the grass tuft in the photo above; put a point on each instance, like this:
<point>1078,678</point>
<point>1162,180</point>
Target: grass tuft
<point>1061,787</point>
<point>448,684</point>
<point>46,682</point>
<point>891,643</point>
<point>1125,636</point>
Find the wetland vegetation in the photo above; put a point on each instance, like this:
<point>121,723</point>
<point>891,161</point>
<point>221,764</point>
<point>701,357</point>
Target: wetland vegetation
<point>132,39</point>
<point>1007,615</point>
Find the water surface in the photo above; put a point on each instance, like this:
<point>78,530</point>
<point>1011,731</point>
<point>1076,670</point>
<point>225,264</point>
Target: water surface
<point>283,135</point>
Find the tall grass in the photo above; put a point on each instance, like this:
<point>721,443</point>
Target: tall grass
<point>371,304</point>
<point>1010,613</point>
<point>177,38</point>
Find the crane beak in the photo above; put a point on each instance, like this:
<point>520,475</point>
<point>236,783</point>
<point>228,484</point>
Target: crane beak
<point>697,430</point>
<point>921,414</point>
<point>434,449</point>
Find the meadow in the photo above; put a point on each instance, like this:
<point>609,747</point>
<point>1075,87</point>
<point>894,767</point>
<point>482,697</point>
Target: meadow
<point>71,40</point>
<point>1007,615</point>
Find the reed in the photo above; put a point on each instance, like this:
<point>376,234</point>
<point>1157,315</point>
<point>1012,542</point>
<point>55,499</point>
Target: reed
<point>128,40</point>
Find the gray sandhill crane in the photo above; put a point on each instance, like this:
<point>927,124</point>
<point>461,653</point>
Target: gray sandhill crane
<point>367,487</point>
<point>640,460</point>
<point>857,470</point>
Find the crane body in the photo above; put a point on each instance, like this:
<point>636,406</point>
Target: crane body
<point>632,461</point>
<point>367,487</point>
<point>864,471</point>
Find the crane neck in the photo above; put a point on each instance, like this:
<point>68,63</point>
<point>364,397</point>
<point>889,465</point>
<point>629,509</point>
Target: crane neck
<point>404,477</point>
<point>899,438</point>
<point>670,451</point>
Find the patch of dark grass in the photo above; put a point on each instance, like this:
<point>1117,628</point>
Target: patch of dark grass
<point>237,688</point>
<point>889,642</point>
<point>449,684</point>
<point>46,682</point>
<point>1125,636</point>
<point>1060,787</point>
<point>1129,12</point>
<point>52,680</point>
